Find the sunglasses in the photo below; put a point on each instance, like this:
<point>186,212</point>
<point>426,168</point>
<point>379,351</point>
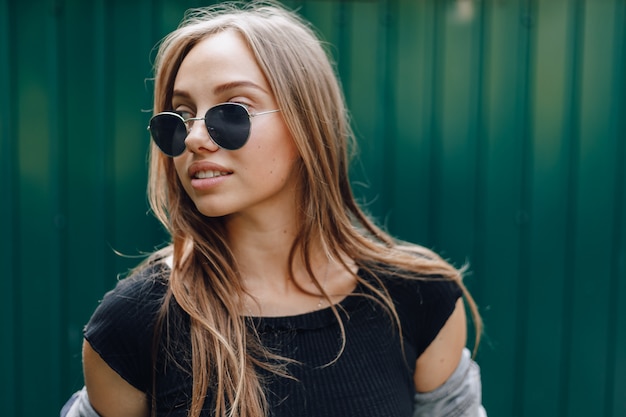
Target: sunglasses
<point>228,125</point>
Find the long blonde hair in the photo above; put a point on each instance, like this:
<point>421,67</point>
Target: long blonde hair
<point>204,279</point>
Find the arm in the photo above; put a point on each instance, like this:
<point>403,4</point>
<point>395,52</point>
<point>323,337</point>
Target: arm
<point>442,356</point>
<point>447,380</point>
<point>110,394</point>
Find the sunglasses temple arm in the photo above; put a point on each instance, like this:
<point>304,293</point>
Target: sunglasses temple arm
<point>264,112</point>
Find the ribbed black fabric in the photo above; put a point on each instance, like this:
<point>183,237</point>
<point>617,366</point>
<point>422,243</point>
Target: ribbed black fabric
<point>371,378</point>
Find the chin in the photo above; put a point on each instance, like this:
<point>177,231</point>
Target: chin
<point>212,214</point>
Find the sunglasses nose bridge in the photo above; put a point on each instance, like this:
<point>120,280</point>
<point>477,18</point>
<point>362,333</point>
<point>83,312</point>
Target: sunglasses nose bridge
<point>191,122</point>
<point>198,135</point>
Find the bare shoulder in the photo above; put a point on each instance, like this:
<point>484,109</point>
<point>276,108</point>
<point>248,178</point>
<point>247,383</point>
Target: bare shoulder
<point>442,356</point>
<point>109,393</point>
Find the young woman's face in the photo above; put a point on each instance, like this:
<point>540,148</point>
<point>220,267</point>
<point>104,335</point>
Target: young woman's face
<point>255,178</point>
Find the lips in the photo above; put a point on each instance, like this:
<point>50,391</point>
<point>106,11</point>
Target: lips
<point>205,170</point>
<point>209,174</point>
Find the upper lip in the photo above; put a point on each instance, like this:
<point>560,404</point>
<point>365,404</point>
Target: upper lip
<point>203,166</point>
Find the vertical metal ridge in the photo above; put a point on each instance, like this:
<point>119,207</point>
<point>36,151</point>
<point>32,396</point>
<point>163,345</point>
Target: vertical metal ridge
<point>478,121</point>
<point>343,46</point>
<point>387,126</point>
<point>571,136</point>
<point>527,39</point>
<point>104,134</point>
<point>434,121</point>
<point>57,102</point>
<point>10,242</point>
<point>618,239</point>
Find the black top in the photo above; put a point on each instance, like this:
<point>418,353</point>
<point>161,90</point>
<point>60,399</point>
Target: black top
<point>373,377</point>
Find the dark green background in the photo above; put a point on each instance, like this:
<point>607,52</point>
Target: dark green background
<point>493,131</point>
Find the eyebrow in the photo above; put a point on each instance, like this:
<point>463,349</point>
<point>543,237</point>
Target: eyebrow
<point>223,88</point>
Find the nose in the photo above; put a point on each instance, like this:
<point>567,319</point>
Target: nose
<point>198,139</point>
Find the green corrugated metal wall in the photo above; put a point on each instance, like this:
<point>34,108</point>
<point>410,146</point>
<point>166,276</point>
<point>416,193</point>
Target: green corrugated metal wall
<point>493,131</point>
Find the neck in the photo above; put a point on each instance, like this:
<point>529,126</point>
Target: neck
<point>262,253</point>
<point>261,246</point>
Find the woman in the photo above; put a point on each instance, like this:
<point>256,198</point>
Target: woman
<point>277,296</point>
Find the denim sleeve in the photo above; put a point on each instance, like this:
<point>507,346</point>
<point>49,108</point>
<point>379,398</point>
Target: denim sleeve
<point>459,396</point>
<point>79,406</point>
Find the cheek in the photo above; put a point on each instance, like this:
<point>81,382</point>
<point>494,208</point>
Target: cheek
<point>281,165</point>
<point>275,153</point>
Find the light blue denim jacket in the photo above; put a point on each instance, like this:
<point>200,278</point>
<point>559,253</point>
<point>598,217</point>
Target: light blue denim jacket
<point>79,406</point>
<point>459,396</point>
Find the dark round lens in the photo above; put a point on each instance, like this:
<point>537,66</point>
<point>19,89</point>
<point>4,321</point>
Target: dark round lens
<point>229,125</point>
<point>169,133</point>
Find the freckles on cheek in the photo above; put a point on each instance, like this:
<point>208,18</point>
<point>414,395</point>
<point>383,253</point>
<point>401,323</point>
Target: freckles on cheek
<point>271,171</point>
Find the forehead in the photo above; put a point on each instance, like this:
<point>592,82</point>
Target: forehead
<point>217,62</point>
